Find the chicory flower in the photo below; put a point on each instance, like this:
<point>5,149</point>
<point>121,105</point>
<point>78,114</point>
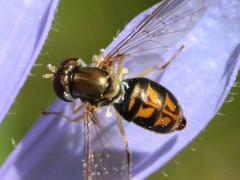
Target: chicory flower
<point>200,78</point>
<point>24,26</point>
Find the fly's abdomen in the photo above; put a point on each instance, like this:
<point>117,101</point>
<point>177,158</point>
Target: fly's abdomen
<point>151,106</point>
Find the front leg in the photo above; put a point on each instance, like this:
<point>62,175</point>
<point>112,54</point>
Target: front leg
<point>77,108</point>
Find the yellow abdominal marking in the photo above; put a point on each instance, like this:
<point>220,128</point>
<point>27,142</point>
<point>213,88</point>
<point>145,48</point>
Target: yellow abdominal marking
<point>144,112</point>
<point>162,121</point>
<point>170,114</point>
<point>153,98</point>
<point>170,104</point>
<point>131,103</point>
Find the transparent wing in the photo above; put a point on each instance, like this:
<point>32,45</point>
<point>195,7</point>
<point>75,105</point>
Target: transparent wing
<point>156,29</point>
<point>105,156</point>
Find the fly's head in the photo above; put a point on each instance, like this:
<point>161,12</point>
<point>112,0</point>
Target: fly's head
<point>62,77</point>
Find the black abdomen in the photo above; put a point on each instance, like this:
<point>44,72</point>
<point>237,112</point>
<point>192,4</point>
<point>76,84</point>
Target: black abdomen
<point>151,106</point>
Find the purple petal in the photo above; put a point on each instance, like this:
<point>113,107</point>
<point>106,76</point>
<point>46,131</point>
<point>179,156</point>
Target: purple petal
<point>200,77</point>
<point>24,27</point>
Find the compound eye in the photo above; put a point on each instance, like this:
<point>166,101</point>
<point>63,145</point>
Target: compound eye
<point>62,78</point>
<point>67,62</point>
<point>71,62</point>
<point>59,88</point>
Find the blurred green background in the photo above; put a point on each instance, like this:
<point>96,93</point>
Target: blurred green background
<point>80,29</point>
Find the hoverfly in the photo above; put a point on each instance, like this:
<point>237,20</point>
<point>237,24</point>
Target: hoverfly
<point>136,99</point>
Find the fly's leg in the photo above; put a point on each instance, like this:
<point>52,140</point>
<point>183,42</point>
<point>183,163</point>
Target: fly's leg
<point>77,119</point>
<point>125,141</point>
<point>75,109</point>
<point>57,113</point>
<point>163,67</point>
<point>120,71</point>
<point>98,59</point>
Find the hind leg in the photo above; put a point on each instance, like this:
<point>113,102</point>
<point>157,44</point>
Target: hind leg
<point>163,67</point>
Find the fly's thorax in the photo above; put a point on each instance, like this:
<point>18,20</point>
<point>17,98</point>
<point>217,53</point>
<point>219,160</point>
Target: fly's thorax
<point>94,85</point>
